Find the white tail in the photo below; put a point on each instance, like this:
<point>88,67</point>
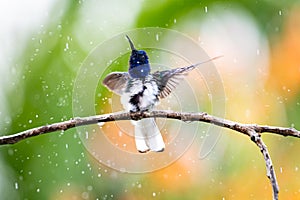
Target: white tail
<point>148,136</point>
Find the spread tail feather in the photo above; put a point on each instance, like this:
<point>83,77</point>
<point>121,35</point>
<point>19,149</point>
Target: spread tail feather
<point>148,136</point>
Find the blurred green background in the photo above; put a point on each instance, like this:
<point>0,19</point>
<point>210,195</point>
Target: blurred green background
<point>43,45</point>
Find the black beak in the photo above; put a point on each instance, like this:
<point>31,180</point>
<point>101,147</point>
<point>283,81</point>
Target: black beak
<point>131,43</point>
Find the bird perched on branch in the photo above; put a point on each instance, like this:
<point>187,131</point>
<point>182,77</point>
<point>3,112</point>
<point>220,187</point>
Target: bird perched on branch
<point>141,90</point>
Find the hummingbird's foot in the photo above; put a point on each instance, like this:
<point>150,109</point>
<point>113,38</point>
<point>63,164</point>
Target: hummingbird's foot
<point>138,115</point>
<point>135,115</point>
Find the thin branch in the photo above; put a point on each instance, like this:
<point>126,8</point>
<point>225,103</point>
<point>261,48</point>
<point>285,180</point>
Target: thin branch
<point>251,130</point>
<point>255,137</point>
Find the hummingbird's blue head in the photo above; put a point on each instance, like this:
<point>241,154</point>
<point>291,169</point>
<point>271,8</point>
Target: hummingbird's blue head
<point>139,66</point>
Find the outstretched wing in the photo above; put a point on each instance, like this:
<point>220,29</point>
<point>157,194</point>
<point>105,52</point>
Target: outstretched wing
<point>167,80</point>
<point>116,81</point>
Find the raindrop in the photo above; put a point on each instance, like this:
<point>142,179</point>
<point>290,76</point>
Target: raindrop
<point>89,188</point>
<point>205,9</point>
<point>154,194</point>
<point>67,47</point>
<point>16,185</point>
<point>257,51</point>
<point>157,37</point>
<point>120,133</point>
<point>85,195</point>
<point>109,62</point>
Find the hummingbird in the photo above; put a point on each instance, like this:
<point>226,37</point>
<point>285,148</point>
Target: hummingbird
<point>141,91</point>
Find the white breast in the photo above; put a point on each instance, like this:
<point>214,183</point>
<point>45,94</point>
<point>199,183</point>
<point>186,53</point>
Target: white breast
<point>148,91</point>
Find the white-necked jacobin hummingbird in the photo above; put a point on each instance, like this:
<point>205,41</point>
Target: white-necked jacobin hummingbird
<point>141,90</point>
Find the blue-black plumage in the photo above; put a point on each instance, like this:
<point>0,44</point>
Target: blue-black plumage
<point>139,66</point>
